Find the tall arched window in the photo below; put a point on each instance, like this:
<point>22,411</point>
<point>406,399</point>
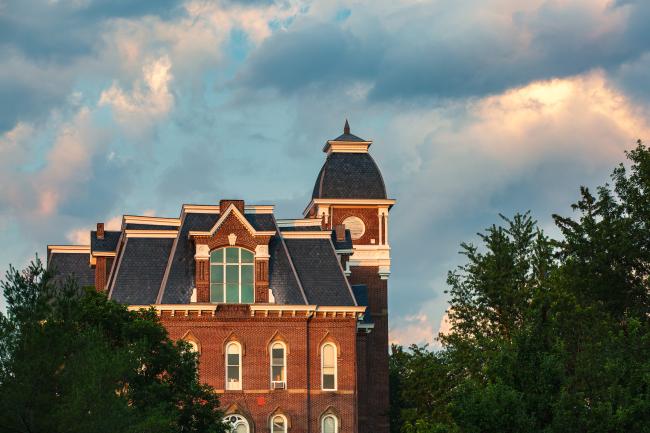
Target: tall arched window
<point>329,424</point>
<point>279,424</point>
<point>328,367</point>
<point>278,365</point>
<point>233,366</point>
<point>232,273</point>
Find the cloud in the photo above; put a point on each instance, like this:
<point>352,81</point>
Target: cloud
<point>412,329</point>
<point>437,50</point>
<point>148,102</point>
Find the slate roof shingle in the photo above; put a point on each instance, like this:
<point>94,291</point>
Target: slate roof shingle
<point>75,265</point>
<point>282,280</point>
<point>349,175</point>
<point>108,244</point>
<point>319,272</point>
<point>140,270</point>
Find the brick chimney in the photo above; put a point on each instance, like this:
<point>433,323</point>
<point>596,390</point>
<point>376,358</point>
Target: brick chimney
<point>224,204</point>
<point>100,230</point>
<point>340,232</point>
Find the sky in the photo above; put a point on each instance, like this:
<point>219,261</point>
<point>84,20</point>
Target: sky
<point>111,107</point>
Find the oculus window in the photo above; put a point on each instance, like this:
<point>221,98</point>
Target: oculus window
<point>232,273</point>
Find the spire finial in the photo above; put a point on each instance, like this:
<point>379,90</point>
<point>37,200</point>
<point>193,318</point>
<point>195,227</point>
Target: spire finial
<point>346,128</point>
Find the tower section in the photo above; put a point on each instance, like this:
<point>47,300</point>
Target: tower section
<point>350,191</point>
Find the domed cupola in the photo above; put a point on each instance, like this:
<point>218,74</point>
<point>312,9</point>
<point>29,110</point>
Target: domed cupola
<point>349,171</point>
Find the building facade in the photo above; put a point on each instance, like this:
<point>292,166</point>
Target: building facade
<point>289,317</point>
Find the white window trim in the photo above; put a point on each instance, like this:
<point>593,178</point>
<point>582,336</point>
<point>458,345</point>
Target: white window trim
<point>224,264</point>
<point>284,361</point>
<point>322,367</point>
<point>284,419</point>
<point>229,386</point>
<point>336,423</point>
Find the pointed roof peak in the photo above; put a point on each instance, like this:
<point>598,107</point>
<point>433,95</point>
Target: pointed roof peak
<point>346,128</point>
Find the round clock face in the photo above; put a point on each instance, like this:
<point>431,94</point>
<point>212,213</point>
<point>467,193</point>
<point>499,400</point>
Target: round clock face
<point>356,227</point>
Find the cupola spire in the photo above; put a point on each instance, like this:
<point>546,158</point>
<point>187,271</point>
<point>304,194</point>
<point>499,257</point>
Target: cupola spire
<point>346,128</point>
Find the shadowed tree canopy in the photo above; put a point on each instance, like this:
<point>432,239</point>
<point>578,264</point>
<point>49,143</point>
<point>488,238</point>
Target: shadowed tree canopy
<point>73,361</point>
<point>547,335</point>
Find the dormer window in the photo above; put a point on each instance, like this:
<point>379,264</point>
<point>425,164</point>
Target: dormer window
<point>232,271</point>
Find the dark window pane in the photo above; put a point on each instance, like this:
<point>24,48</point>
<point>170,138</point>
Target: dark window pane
<point>247,274</point>
<point>233,374</point>
<point>232,255</point>
<point>216,292</point>
<point>233,359</point>
<point>232,274</point>
<point>246,256</point>
<point>232,293</point>
<point>216,256</point>
<point>278,356</point>
<point>328,381</point>
<point>247,294</point>
<point>277,373</point>
<point>216,273</point>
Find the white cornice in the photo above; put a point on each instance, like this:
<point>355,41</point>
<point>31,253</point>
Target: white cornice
<point>326,234</point>
<point>155,221</point>
<point>347,147</point>
<point>211,308</point>
<point>167,234</point>
<point>200,208</point>
<point>103,253</point>
<point>69,249</point>
<point>349,202</point>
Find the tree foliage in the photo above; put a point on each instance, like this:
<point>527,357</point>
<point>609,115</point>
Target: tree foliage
<point>73,361</point>
<point>547,335</point>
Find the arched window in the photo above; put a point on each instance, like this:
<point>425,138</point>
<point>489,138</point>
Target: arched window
<point>278,365</point>
<point>238,423</point>
<point>232,276</point>
<point>328,367</point>
<point>279,424</point>
<point>233,366</point>
<point>329,424</point>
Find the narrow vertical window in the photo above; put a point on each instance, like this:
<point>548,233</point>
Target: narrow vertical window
<point>279,424</point>
<point>328,367</point>
<point>278,366</point>
<point>233,366</point>
<point>329,424</point>
<point>232,278</point>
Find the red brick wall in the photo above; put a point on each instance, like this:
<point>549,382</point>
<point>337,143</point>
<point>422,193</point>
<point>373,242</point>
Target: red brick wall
<point>303,338</point>
<point>370,219</point>
<point>100,274</point>
<point>374,403</point>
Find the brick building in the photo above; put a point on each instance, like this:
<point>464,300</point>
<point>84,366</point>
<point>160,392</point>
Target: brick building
<point>289,317</point>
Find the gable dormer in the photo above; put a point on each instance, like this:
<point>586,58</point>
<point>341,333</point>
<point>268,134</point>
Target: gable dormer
<point>232,258</point>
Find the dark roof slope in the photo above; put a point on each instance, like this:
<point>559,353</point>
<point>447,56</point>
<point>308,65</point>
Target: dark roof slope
<point>75,265</point>
<point>349,137</point>
<point>108,244</point>
<point>140,270</point>
<point>180,279</point>
<point>283,281</point>
<point>261,221</point>
<point>316,228</point>
<point>319,272</point>
<point>349,175</point>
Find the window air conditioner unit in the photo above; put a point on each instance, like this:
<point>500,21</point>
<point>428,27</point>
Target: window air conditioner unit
<point>278,385</point>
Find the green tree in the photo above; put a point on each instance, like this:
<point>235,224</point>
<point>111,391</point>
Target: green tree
<point>73,361</point>
<point>547,335</point>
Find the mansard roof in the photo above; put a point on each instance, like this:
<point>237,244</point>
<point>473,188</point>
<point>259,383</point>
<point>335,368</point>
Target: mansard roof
<point>154,263</point>
<point>68,261</point>
<point>349,175</point>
